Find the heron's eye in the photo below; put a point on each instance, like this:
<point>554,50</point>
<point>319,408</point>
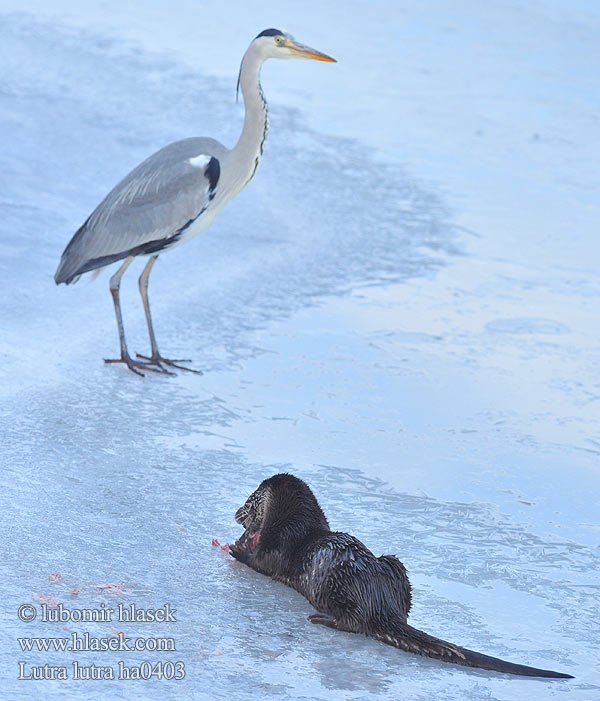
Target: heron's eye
<point>279,40</point>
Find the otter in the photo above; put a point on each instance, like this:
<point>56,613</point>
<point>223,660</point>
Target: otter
<point>288,538</point>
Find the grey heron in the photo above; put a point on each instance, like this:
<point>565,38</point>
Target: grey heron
<point>175,194</point>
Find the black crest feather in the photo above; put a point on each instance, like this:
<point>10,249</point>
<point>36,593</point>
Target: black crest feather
<point>270,33</point>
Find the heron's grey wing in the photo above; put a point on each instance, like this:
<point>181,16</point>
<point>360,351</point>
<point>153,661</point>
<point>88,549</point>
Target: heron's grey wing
<point>149,209</point>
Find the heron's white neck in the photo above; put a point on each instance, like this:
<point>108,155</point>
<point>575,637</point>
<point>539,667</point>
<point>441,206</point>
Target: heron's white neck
<point>248,151</point>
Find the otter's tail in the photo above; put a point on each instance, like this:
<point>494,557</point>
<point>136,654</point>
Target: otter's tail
<point>410,639</point>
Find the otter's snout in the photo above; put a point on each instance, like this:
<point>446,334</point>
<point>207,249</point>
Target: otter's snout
<point>241,514</point>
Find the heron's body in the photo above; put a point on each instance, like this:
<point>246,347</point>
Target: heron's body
<point>160,204</point>
<point>176,193</point>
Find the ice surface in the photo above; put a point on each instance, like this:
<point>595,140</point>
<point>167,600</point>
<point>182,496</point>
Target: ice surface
<point>401,308</point>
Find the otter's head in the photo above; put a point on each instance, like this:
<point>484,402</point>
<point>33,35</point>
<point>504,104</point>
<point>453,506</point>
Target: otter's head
<point>282,503</point>
<point>252,517</point>
<point>252,514</point>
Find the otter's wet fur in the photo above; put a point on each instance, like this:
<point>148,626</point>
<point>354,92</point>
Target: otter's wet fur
<point>288,538</point>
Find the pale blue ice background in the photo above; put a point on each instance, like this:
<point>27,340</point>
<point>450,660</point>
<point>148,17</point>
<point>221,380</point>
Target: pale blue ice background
<point>402,308</point>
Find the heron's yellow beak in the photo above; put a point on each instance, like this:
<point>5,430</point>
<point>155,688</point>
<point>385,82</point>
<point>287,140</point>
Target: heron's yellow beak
<point>301,51</point>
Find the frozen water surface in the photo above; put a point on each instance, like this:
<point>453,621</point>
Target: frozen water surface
<point>401,308</point>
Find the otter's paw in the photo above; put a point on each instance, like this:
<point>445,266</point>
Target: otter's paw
<point>240,552</point>
<point>323,619</point>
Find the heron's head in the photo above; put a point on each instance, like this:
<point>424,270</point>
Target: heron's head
<point>273,43</point>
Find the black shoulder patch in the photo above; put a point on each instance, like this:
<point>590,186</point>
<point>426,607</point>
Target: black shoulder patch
<point>270,33</point>
<point>212,172</point>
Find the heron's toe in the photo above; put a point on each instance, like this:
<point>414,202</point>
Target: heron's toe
<point>159,361</point>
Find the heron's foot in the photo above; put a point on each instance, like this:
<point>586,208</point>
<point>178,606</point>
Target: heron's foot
<point>159,361</point>
<point>137,366</point>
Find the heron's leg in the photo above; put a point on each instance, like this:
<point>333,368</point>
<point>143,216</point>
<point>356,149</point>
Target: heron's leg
<point>143,285</point>
<point>115,283</point>
<point>156,358</point>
